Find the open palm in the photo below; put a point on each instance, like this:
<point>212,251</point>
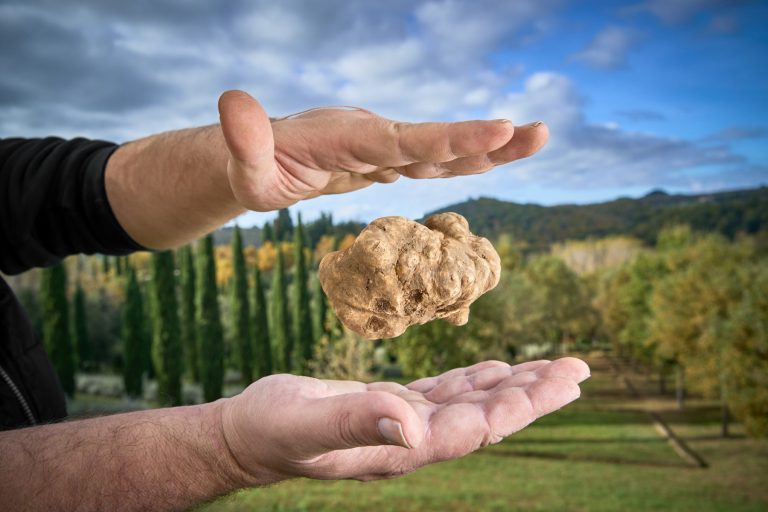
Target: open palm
<point>333,429</point>
<point>335,150</point>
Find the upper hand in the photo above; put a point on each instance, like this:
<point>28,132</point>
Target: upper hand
<point>283,426</point>
<point>332,150</point>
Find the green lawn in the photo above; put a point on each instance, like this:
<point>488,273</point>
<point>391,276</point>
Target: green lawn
<point>600,453</point>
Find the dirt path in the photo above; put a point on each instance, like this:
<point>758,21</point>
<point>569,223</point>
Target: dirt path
<point>625,375</point>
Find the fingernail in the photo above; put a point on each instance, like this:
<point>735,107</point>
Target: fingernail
<point>535,124</point>
<point>392,431</point>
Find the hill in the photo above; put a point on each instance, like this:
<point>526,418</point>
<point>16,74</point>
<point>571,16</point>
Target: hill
<point>728,213</point>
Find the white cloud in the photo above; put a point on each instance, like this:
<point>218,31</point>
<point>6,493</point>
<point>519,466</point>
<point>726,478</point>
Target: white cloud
<point>609,48</point>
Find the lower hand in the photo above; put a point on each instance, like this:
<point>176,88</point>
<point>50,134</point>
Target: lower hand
<point>284,426</point>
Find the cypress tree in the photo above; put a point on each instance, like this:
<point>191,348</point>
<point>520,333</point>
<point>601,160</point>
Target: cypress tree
<point>80,330</point>
<point>56,334</point>
<point>261,347</point>
<point>283,225</point>
<point>302,317</point>
<point>210,341</point>
<point>280,327</point>
<point>166,339</point>
<point>133,334</point>
<point>188,336</point>
<point>319,310</point>
<point>267,235</point>
<point>241,325</point>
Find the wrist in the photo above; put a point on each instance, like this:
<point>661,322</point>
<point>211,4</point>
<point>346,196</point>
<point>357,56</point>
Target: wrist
<point>243,452</point>
<point>223,461</point>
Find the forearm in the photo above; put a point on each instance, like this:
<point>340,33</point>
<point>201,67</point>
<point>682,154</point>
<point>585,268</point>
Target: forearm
<point>164,459</point>
<point>171,188</point>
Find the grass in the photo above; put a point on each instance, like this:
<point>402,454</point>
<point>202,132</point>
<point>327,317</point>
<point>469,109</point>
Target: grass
<point>600,453</point>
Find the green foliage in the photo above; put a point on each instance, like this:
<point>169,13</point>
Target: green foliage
<point>428,349</point>
<point>345,355</point>
<point>240,310</point>
<point>279,328</point>
<point>728,213</point>
<point>557,306</point>
<point>319,309</point>
<point>188,336</point>
<point>747,337</point>
<point>210,339</point>
<point>267,235</point>
<point>283,226</point>
<point>80,330</point>
<point>261,340</point>
<point>56,334</point>
<point>704,299</point>
<point>133,335</point>
<point>302,318</point>
<point>166,336</point>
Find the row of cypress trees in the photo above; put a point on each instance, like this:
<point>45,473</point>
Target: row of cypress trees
<point>173,335</point>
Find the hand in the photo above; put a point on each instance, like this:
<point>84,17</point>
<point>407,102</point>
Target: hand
<point>336,150</point>
<point>284,426</point>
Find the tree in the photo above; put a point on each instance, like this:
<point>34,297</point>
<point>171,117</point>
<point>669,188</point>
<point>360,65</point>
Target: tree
<point>302,318</point>
<point>56,334</point>
<point>747,361</point>
<point>267,235</point>
<point>319,310</point>
<point>166,339</point>
<point>283,226</point>
<point>188,335</point>
<point>133,335</point>
<point>210,339</point>
<point>346,357</point>
<point>280,326</point>
<point>80,330</point>
<point>693,307</point>
<point>261,342</point>
<point>240,310</point>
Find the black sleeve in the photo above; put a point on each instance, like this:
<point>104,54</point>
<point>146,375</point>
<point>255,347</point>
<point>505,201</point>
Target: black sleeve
<point>53,202</point>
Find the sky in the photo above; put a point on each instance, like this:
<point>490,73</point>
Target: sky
<point>638,95</point>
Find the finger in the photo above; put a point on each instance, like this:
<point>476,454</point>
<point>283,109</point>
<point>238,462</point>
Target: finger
<point>479,380</point>
<point>427,383</point>
<point>383,176</point>
<point>566,367</point>
<point>513,408</point>
<point>468,165</point>
<point>477,367</point>
<point>550,394</point>
<point>422,385</point>
<point>528,140</point>
<point>341,183</point>
<point>529,366</point>
<point>420,170</point>
<point>393,144</point>
<point>369,418</point>
<point>517,380</point>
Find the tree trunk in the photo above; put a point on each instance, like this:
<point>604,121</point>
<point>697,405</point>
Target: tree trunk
<point>724,420</point>
<point>679,386</point>
<point>662,380</point>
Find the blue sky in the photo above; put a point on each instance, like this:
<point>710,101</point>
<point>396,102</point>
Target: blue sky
<point>638,95</point>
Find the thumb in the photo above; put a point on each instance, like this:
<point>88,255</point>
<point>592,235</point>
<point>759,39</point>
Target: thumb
<point>247,129</point>
<point>369,418</point>
<point>248,135</point>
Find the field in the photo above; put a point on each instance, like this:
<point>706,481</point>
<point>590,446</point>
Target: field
<point>600,453</point>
